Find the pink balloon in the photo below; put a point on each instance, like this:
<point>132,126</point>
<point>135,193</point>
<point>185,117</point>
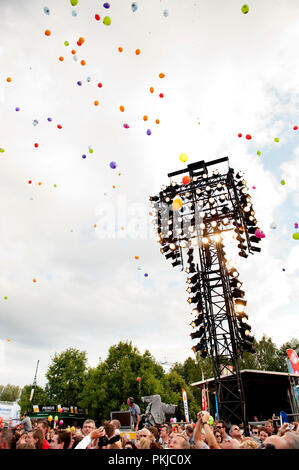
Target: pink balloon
<point>61,422</point>
<point>259,234</point>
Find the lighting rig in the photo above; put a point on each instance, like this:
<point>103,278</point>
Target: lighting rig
<point>193,221</point>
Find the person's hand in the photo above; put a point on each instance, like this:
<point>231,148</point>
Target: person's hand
<point>100,432</point>
<point>283,429</point>
<point>204,416</point>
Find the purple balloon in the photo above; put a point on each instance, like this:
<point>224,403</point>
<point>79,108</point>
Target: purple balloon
<point>146,275</point>
<point>79,83</point>
<point>50,119</point>
<point>83,156</point>
<point>113,165</point>
<point>148,132</point>
<point>17,109</point>
<point>106,5</point>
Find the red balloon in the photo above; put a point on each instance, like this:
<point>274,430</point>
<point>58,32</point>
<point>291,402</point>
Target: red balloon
<point>248,137</point>
<point>29,182</point>
<point>59,126</point>
<point>161,95</point>
<point>100,85</point>
<point>97,17</point>
<point>1,419</point>
<point>186,180</point>
<point>138,379</point>
<point>295,128</point>
<point>36,145</point>
<point>239,135</point>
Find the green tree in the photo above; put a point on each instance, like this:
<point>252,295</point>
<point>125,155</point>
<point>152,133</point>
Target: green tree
<point>9,392</point>
<point>40,397</point>
<point>66,375</point>
<point>173,382</point>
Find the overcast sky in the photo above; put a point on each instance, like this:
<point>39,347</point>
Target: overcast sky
<point>225,73</point>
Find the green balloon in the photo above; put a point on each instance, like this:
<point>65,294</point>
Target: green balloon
<point>258,152</point>
<point>282,182</point>
<point>90,151</point>
<point>295,236</point>
<point>74,2</point>
<point>5,298</point>
<point>245,9</point>
<point>66,43</point>
<point>55,185</point>
<point>1,150</point>
<point>276,139</point>
<point>107,20</point>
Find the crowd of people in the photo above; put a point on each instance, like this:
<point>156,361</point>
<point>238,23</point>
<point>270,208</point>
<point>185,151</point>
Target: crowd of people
<point>199,435</point>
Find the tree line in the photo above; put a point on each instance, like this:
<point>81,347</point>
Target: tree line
<point>105,388</point>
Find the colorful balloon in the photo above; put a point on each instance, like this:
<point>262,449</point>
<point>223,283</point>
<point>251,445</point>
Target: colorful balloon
<point>66,43</point>
<point>79,83</point>
<point>259,233</point>
<point>1,150</point>
<point>113,165</point>
<point>134,7</point>
<point>61,422</point>
<point>296,236</point>
<point>282,182</point>
<point>17,109</point>
<point>107,20</point>
<point>276,139</point>
<point>47,11</point>
<point>148,132</point>
<point>48,32</point>
<point>137,52</point>
<point>74,2</point>
<point>97,17</point>
<point>56,419</point>
<point>74,13</point>
<point>126,126</point>
<point>165,13</point>
<point>177,203</point>
<point>295,128</point>
<point>145,275</point>
<point>183,157</point>
<point>248,136</point>
<point>245,9</point>
<point>50,418</point>
<point>258,152</point>
<point>239,135</point>
<point>296,225</point>
<point>186,180</point>
<point>35,122</point>
<point>138,379</point>
<point>106,5</point>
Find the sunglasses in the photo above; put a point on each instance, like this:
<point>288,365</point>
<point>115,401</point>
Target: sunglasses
<point>254,432</point>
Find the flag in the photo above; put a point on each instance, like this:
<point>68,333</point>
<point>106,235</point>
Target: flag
<point>293,361</point>
<point>203,395</point>
<point>185,405</point>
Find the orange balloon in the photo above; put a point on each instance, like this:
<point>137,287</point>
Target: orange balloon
<point>161,75</point>
<point>73,51</point>
<point>81,40</point>
<point>61,59</point>
<point>96,103</point>
<point>40,183</point>
<point>8,79</point>
<point>83,62</point>
<point>145,118</point>
<point>136,257</point>
<point>95,225</point>
<point>122,108</point>
<point>120,49</point>
<point>113,187</point>
<point>137,52</point>
<point>151,89</point>
<point>123,228</point>
<point>34,280</point>
<point>157,121</point>
<point>48,32</point>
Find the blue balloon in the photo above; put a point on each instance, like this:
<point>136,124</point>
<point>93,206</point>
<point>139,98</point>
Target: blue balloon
<point>74,13</point>
<point>47,10</point>
<point>165,13</point>
<point>106,5</point>
<point>134,6</point>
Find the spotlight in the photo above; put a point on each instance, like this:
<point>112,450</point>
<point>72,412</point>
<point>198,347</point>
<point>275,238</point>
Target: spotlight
<point>198,333</point>
<point>243,254</point>
<point>190,269</point>
<point>195,299</point>
<point>176,263</point>
<point>196,322</point>
<point>238,293</point>
<point>192,289</point>
<point>170,255</point>
<point>164,250</point>
<point>193,279</point>
<point>205,240</point>
<point>255,248</point>
<point>254,239</point>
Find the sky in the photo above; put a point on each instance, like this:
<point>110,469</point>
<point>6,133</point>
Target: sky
<point>225,73</point>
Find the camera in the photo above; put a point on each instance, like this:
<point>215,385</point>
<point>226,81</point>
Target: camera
<point>103,441</point>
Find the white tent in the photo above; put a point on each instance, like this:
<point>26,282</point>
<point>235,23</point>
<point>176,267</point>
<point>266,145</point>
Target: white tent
<point>10,412</point>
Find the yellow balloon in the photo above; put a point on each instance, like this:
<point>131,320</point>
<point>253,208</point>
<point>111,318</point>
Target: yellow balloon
<point>177,203</point>
<point>183,157</point>
<point>50,418</point>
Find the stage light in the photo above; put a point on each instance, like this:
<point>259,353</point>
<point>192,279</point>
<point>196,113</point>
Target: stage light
<point>196,322</point>
<point>214,223</point>
<point>211,200</point>
<point>233,272</point>
<point>238,293</point>
<point>219,187</point>
<point>164,250</point>
<point>154,198</point>
<point>205,175</point>
<point>213,212</point>
<point>176,263</point>
<point>255,248</point>
<point>190,269</point>
<point>243,254</point>
<point>225,221</point>
<point>172,246</point>
<point>208,189</point>
<point>217,238</point>
<point>205,240</point>
<point>192,289</point>
<point>183,244</point>
<point>193,279</point>
<point>170,255</point>
<point>225,210</point>
<point>254,239</point>
<point>194,242</point>
<point>195,299</point>
<point>202,226</point>
<point>198,333</point>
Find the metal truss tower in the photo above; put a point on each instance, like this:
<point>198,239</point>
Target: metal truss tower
<point>195,221</point>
